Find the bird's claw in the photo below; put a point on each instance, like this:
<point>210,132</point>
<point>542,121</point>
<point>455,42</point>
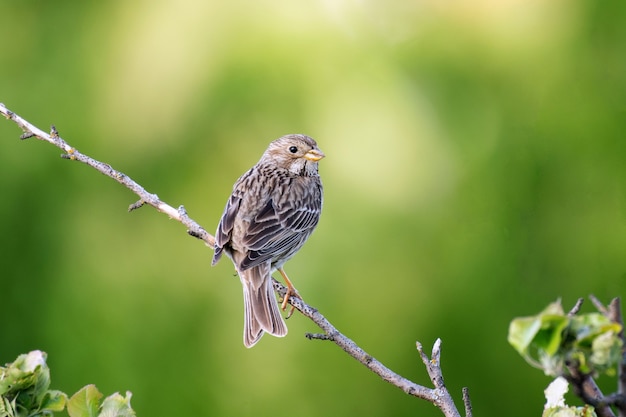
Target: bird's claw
<point>291,292</point>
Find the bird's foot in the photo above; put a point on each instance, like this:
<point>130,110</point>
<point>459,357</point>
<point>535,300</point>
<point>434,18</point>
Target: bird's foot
<point>291,292</point>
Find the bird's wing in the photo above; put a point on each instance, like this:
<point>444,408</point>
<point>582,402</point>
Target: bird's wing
<point>226,225</point>
<point>278,230</point>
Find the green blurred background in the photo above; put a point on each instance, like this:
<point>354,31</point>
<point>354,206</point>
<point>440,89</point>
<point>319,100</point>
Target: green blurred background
<point>474,173</point>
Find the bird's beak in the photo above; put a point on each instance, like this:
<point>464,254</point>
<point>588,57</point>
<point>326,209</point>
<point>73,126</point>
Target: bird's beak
<point>314,155</point>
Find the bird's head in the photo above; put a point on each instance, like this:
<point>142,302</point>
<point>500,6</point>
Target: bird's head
<point>296,153</point>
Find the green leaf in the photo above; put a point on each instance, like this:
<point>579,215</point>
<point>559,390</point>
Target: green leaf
<point>6,408</point>
<point>522,331</point>
<point>538,338</point>
<point>85,403</point>
<point>53,400</point>
<point>117,406</point>
<point>550,336</point>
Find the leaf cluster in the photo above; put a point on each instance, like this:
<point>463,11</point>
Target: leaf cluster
<point>24,392</point>
<point>553,339</point>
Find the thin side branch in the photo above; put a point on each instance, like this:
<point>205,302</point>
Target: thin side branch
<point>467,402</point>
<point>439,395</point>
<point>598,305</point>
<point>576,308</point>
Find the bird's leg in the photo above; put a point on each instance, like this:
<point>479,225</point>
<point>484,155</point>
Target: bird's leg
<point>291,292</point>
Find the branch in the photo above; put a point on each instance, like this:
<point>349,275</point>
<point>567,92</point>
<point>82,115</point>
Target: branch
<point>439,395</point>
<point>585,386</point>
<point>145,197</point>
<point>587,390</point>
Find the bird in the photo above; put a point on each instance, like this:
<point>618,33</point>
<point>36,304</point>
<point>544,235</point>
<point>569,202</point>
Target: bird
<point>273,209</point>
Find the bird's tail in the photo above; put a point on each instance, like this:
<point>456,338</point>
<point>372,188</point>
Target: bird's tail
<point>261,312</point>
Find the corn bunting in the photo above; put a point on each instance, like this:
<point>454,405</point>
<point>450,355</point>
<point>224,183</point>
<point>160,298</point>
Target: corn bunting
<point>271,212</point>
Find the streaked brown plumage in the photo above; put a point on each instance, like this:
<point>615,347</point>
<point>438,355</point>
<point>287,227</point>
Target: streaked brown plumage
<point>271,212</point>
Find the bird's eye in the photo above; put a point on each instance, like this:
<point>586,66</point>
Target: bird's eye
<point>293,149</point>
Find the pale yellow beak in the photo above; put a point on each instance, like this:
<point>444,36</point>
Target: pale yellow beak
<point>314,155</point>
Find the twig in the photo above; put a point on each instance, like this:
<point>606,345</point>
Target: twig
<point>598,305</point>
<point>439,395</point>
<point>576,308</point>
<point>433,366</point>
<point>467,402</point>
<point>617,400</point>
<point>73,154</point>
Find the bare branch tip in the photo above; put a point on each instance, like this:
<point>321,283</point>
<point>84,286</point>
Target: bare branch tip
<point>598,304</point>
<point>423,356</point>
<point>467,402</point>
<point>195,234</point>
<point>437,347</point>
<point>26,135</point>
<point>136,205</point>
<point>615,313</point>
<point>576,308</point>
